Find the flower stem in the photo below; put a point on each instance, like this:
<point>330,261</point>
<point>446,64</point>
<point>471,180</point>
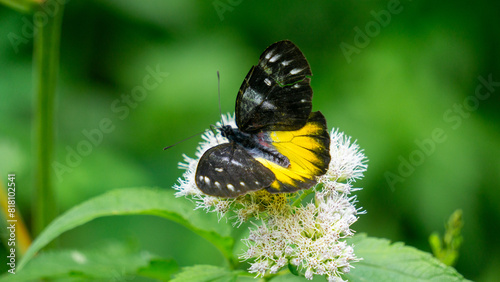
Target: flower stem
<point>45,67</point>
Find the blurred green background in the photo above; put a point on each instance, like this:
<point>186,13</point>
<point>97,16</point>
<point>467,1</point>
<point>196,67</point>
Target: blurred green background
<point>387,81</point>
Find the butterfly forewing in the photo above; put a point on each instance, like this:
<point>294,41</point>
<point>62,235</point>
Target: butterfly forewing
<point>284,62</point>
<point>276,94</point>
<point>228,171</point>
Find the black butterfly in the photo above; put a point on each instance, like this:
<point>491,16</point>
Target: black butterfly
<point>279,144</point>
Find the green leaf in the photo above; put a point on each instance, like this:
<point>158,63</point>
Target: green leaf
<point>383,261</point>
<point>289,277</point>
<point>114,262</point>
<point>161,269</point>
<point>200,273</point>
<point>447,248</point>
<point>147,201</point>
<point>293,269</point>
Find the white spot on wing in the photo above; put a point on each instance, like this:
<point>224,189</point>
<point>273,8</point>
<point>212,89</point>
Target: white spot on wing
<point>267,81</point>
<point>296,85</point>
<point>257,182</point>
<point>274,58</point>
<point>268,106</point>
<point>296,71</point>
<point>201,177</point>
<point>268,55</point>
<point>207,180</point>
<point>230,187</point>
<point>252,96</point>
<point>285,63</point>
<point>242,183</point>
<point>217,184</point>
<point>236,163</point>
<point>219,169</point>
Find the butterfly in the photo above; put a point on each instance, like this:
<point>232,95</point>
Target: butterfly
<point>279,144</point>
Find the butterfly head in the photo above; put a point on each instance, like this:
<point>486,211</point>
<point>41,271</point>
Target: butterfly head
<point>226,131</point>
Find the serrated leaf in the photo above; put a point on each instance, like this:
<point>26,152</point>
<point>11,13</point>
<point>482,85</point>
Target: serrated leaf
<point>145,201</point>
<point>383,261</point>
<point>111,263</point>
<point>201,273</point>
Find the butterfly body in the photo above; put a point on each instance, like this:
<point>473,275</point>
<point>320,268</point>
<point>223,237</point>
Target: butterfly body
<point>279,144</point>
<point>257,145</point>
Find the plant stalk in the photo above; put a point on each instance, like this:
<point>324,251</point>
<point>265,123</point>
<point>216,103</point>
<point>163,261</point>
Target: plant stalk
<point>47,33</point>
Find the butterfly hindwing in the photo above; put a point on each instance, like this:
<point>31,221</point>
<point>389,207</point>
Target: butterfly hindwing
<point>276,94</point>
<point>228,171</point>
<point>308,152</point>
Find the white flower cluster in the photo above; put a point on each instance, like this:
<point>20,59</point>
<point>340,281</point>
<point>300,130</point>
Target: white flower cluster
<point>309,236</point>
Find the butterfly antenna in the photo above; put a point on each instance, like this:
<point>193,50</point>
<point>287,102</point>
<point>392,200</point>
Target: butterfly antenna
<point>218,86</point>
<point>168,147</point>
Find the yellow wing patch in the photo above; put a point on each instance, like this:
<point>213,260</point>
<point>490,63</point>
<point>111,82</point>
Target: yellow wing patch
<point>308,150</point>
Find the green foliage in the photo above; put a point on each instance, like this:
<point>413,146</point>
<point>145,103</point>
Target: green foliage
<point>161,269</point>
<point>113,262</point>
<point>383,261</point>
<point>293,269</point>
<point>446,249</point>
<point>140,201</point>
<point>200,273</point>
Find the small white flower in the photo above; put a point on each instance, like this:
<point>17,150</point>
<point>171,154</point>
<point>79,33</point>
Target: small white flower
<point>281,262</point>
<point>259,267</point>
<point>309,274</point>
<point>295,261</point>
<point>274,269</point>
<point>347,160</point>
